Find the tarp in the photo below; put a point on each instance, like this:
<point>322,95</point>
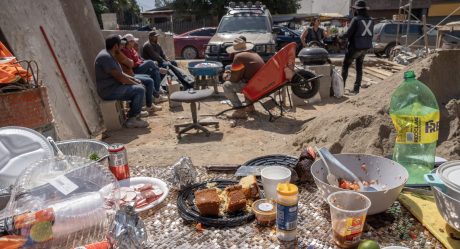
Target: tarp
<point>10,71</point>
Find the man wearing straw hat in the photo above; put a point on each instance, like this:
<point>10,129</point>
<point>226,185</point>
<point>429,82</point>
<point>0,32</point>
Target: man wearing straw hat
<point>359,34</point>
<point>245,64</point>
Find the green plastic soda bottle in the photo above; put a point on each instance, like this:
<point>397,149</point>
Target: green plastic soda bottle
<point>415,115</point>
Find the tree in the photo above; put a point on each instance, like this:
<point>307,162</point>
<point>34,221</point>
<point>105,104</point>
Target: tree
<point>203,8</point>
<point>128,11</point>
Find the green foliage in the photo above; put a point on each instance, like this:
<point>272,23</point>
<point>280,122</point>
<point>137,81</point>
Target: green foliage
<point>203,8</point>
<point>128,12</point>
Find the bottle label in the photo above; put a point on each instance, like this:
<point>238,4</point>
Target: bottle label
<point>286,217</point>
<point>416,129</point>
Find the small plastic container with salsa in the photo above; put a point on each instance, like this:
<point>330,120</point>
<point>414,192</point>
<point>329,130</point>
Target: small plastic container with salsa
<point>265,211</point>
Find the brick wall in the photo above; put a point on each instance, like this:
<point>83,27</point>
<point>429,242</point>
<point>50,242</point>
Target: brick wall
<point>27,108</point>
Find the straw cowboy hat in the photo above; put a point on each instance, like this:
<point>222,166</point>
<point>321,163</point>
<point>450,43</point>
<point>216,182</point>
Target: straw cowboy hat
<point>239,45</point>
<point>359,5</point>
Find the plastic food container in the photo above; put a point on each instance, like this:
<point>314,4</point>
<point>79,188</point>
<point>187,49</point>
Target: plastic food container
<point>265,211</point>
<point>447,178</point>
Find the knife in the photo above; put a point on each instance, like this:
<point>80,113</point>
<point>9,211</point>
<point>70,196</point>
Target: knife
<point>230,168</point>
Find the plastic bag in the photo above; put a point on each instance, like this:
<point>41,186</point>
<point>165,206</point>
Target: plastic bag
<point>337,84</point>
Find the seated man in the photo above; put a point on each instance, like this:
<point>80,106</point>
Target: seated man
<point>140,66</point>
<point>127,67</point>
<point>113,84</point>
<point>153,51</point>
<point>245,64</point>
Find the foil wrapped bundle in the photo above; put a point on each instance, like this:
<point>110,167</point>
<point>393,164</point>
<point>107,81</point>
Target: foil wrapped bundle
<point>127,230</point>
<point>184,173</point>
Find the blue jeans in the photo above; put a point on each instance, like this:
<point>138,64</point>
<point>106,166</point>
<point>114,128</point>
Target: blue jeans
<point>148,67</point>
<point>133,93</point>
<point>148,85</point>
<point>164,64</point>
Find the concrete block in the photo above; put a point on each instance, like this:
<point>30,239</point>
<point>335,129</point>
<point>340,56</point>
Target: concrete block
<point>112,113</point>
<point>325,83</point>
<point>173,87</point>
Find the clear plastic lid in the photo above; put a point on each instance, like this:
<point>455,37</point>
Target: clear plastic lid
<point>58,203</point>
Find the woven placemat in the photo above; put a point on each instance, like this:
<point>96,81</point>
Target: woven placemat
<point>167,229</point>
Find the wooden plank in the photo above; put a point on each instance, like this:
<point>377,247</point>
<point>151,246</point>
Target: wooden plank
<point>396,65</point>
<point>380,71</point>
<point>377,75</point>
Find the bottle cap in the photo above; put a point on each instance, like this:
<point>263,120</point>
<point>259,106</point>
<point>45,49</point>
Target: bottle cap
<point>409,74</point>
<point>287,189</point>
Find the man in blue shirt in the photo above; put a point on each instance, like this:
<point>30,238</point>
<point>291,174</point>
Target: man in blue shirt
<point>113,84</point>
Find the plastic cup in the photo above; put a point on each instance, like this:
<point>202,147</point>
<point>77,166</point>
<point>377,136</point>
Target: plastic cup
<point>348,215</point>
<point>271,176</point>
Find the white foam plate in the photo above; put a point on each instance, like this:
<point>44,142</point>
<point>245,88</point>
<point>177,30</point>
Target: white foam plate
<point>133,181</point>
<point>19,148</point>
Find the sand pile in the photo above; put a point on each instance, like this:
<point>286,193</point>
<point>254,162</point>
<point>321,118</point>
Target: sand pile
<point>362,124</point>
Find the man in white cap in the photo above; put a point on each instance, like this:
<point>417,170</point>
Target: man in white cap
<point>141,66</point>
<point>245,64</point>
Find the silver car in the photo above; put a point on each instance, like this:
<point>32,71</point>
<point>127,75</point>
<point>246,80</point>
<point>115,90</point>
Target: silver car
<point>385,36</point>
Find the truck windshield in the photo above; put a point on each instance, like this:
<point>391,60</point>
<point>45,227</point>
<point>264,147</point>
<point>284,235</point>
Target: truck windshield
<point>240,24</point>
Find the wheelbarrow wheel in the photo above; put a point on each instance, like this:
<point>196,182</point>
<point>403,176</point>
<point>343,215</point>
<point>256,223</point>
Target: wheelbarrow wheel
<point>303,88</point>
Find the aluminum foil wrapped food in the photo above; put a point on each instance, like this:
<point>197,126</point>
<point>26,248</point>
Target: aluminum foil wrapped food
<point>127,230</point>
<point>184,173</point>
<point>306,159</point>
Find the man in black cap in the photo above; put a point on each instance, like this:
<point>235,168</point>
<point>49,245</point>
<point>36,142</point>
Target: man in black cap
<point>359,34</point>
<point>153,51</point>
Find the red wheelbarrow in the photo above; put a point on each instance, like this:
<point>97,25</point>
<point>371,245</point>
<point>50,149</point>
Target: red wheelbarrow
<point>278,72</point>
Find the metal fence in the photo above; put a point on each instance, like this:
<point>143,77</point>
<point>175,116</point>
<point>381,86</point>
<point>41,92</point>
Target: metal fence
<point>179,27</point>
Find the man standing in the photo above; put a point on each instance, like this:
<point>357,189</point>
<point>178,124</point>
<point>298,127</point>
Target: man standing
<point>113,84</point>
<point>153,51</point>
<point>359,36</point>
<point>245,64</point>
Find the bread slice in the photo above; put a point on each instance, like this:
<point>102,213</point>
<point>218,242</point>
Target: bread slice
<point>236,200</point>
<point>250,187</point>
<point>207,201</point>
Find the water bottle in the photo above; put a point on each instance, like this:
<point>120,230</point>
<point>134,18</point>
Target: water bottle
<point>415,115</point>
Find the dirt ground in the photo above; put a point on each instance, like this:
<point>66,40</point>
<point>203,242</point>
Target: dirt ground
<point>350,124</point>
<point>158,145</point>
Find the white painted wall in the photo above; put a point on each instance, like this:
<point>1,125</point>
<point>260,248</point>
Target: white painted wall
<point>324,6</point>
<point>20,22</point>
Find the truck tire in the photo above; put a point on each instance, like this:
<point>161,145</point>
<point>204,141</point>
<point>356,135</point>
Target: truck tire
<point>302,89</point>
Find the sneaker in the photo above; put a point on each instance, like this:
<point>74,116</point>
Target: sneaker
<point>160,99</point>
<point>154,108</point>
<point>144,114</point>
<point>136,123</point>
<point>353,93</point>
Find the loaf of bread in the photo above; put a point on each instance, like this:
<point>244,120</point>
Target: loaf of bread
<point>207,201</point>
<point>235,200</point>
<point>250,187</point>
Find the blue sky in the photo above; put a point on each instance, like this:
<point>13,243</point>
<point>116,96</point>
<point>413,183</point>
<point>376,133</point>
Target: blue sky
<point>146,4</point>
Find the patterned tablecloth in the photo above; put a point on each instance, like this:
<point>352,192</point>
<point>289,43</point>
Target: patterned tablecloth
<point>167,229</point>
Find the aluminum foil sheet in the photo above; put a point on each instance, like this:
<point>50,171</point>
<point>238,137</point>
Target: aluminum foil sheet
<point>127,230</point>
<point>184,173</point>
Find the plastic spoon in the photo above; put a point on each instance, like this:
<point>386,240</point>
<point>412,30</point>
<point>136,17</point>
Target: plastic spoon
<point>327,155</point>
<point>331,179</point>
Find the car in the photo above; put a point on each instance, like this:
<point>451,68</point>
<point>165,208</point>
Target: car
<point>251,21</point>
<point>385,36</point>
<point>191,44</point>
<point>285,36</point>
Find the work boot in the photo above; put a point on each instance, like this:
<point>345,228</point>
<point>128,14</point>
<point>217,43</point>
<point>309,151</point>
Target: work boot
<point>239,114</point>
<point>136,123</point>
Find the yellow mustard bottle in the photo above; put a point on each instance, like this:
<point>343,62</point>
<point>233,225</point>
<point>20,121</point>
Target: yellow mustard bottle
<point>286,211</point>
